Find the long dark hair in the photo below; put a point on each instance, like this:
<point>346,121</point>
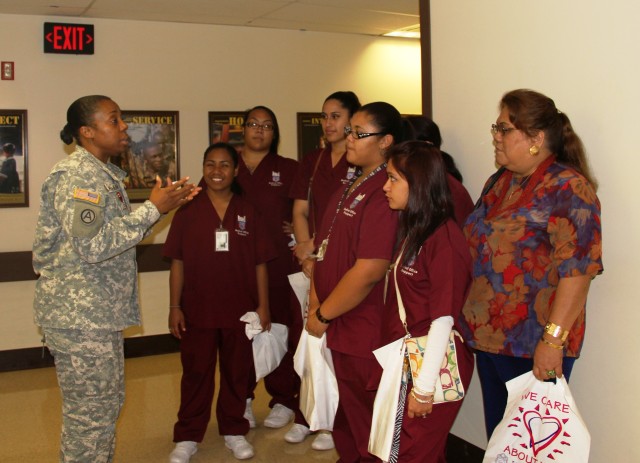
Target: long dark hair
<point>429,204</point>
<point>235,186</point>
<point>530,112</point>
<point>273,148</point>
<point>80,114</point>
<point>425,129</point>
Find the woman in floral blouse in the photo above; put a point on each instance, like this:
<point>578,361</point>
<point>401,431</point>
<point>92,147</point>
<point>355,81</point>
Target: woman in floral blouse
<point>535,239</point>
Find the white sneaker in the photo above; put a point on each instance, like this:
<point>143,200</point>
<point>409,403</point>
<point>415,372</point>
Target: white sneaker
<point>248,414</point>
<point>323,441</point>
<point>183,452</point>
<point>297,433</point>
<point>279,416</point>
<point>239,446</point>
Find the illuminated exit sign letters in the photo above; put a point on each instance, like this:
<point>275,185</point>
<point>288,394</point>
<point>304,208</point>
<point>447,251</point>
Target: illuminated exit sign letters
<point>74,39</point>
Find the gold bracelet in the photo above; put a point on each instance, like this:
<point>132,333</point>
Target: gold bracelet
<point>421,401</point>
<point>175,307</point>
<point>556,331</point>
<point>555,346</point>
<point>420,391</point>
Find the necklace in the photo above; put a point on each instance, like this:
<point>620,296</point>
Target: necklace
<point>497,200</point>
<point>515,185</point>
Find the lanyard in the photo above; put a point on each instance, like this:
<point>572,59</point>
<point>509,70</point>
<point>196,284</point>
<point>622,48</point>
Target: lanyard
<point>325,242</point>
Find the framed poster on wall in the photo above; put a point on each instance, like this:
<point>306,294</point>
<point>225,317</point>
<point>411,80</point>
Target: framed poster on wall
<point>153,151</point>
<point>14,184</point>
<point>310,136</point>
<point>228,127</point>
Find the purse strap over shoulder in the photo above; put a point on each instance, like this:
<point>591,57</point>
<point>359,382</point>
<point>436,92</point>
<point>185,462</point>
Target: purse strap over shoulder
<point>401,310</point>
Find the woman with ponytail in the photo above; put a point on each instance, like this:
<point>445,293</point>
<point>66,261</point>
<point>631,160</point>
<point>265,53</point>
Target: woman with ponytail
<point>85,255</point>
<point>535,238</point>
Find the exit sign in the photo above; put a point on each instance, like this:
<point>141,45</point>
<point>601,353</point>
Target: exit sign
<point>74,39</point>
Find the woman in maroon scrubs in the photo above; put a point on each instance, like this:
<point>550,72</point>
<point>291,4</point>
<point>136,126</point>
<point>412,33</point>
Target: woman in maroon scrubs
<point>218,249</point>
<point>433,276</point>
<point>266,179</point>
<point>321,173</point>
<point>355,245</point>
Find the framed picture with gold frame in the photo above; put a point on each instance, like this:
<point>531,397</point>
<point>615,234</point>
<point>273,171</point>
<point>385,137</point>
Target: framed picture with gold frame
<point>154,150</point>
<point>14,179</point>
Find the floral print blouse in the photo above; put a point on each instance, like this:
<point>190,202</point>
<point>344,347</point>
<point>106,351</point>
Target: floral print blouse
<point>524,236</point>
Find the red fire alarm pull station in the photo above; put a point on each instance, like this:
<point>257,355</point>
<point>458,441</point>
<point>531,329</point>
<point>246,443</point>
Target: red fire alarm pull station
<point>71,39</point>
<point>6,70</point>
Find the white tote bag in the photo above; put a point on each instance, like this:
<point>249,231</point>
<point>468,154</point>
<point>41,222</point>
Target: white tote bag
<point>319,387</point>
<point>385,405</point>
<point>301,285</point>
<point>541,424</point>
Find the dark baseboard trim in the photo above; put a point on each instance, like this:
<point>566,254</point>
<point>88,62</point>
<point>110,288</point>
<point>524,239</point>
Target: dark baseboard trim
<point>25,359</point>
<point>16,266</point>
<point>38,357</point>
<point>461,451</point>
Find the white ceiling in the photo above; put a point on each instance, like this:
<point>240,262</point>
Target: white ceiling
<point>370,17</point>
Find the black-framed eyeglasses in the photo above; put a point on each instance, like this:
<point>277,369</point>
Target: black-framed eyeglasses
<point>495,128</point>
<point>355,134</point>
<point>254,125</point>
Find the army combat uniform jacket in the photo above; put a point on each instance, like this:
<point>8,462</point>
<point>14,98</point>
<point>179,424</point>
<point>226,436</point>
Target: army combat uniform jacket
<point>84,249</point>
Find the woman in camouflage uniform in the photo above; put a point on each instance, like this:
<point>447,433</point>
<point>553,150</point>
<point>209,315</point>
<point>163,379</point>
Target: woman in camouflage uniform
<point>84,253</point>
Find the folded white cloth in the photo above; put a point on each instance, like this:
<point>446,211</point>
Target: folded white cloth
<point>269,348</point>
<point>253,326</point>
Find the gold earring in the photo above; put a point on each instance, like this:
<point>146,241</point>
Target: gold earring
<point>534,150</point>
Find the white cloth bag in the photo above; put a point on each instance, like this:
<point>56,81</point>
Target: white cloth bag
<point>385,405</point>
<point>541,424</point>
<point>301,285</point>
<point>269,348</point>
<point>319,387</point>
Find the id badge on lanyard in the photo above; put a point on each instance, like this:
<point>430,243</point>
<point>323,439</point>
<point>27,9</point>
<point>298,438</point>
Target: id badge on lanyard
<point>222,240</point>
<point>322,250</point>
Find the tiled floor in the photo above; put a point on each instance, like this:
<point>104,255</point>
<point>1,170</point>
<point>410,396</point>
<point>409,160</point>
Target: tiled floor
<point>30,419</point>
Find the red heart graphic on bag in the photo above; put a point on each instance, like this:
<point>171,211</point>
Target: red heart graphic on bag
<point>545,429</point>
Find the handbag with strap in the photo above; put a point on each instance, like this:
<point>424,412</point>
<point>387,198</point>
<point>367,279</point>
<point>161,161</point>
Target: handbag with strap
<point>399,359</point>
<point>449,387</point>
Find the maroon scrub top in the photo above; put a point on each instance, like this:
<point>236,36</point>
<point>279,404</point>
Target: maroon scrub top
<point>364,228</point>
<point>326,180</point>
<point>219,287</point>
<point>268,190</point>
<point>462,202</point>
<point>434,284</point>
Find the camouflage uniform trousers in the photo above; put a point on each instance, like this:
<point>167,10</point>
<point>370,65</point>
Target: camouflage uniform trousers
<point>90,370</point>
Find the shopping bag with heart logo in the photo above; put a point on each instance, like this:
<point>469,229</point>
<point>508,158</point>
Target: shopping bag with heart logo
<point>541,424</point>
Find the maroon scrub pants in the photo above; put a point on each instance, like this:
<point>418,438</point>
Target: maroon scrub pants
<point>352,425</point>
<point>199,350</point>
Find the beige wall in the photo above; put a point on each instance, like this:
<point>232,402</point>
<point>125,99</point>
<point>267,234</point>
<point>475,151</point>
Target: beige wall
<point>188,68</point>
<point>581,53</point>
<point>584,54</point>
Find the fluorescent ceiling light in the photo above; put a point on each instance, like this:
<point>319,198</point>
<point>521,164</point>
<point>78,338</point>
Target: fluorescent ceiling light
<point>411,32</point>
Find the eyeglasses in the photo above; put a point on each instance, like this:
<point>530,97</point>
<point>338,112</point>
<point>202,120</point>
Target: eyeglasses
<point>256,126</point>
<point>349,131</point>
<point>501,128</point>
